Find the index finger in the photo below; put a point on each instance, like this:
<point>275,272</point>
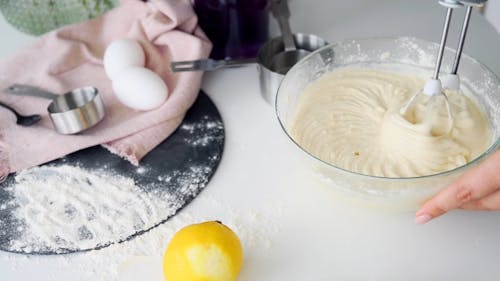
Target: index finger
<point>474,184</point>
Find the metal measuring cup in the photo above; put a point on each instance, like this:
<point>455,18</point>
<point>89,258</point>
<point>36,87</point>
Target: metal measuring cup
<point>284,60</point>
<point>70,113</point>
<point>271,64</point>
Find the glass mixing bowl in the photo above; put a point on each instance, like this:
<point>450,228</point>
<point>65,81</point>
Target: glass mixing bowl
<point>387,53</point>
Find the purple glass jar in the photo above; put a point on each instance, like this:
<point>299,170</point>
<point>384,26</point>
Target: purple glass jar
<point>237,28</point>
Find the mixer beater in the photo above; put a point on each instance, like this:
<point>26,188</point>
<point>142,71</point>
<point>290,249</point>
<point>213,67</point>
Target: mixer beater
<point>433,87</point>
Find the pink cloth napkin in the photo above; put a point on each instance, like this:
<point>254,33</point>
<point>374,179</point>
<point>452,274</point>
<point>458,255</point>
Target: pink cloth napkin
<point>71,57</point>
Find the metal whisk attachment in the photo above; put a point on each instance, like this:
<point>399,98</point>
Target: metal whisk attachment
<point>433,88</point>
<point>452,80</point>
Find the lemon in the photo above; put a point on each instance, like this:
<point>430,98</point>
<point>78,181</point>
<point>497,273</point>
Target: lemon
<point>208,251</point>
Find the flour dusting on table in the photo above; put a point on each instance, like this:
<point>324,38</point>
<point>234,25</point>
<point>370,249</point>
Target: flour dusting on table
<point>67,207</point>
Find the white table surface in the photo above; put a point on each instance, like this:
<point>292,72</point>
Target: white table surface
<point>294,227</point>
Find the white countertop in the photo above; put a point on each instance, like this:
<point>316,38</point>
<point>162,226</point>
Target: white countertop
<point>294,227</point>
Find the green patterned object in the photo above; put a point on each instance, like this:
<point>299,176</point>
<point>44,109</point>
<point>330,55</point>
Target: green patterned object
<point>40,16</point>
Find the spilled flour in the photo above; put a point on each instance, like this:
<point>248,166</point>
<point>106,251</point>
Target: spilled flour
<point>208,128</point>
<point>67,207</point>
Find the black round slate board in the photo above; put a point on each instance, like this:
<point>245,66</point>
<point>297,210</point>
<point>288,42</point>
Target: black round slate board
<point>179,152</point>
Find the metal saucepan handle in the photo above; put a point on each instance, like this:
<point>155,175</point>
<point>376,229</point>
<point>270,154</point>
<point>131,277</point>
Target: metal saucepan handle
<point>209,64</point>
<point>26,90</point>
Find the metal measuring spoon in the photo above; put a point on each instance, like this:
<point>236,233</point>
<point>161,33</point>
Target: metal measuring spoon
<point>283,61</point>
<point>23,120</point>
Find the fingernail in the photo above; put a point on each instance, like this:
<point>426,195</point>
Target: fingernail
<point>423,218</point>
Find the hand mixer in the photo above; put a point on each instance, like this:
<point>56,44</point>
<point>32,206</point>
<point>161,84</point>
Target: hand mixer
<point>433,87</point>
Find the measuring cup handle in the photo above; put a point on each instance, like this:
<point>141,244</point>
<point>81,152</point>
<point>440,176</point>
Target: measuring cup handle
<point>26,90</point>
<point>208,64</point>
<point>280,8</point>
<point>236,63</point>
<point>287,34</point>
<point>281,12</point>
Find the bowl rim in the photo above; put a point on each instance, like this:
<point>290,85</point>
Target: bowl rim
<point>493,147</point>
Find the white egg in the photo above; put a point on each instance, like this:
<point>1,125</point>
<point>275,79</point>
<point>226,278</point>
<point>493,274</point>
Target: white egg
<point>140,88</point>
<point>121,54</point>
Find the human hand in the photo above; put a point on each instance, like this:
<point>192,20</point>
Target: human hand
<point>477,189</point>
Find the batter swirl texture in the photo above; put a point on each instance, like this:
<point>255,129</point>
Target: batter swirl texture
<point>350,118</point>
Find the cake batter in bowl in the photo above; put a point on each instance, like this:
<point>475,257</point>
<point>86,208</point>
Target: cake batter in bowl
<point>339,106</point>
